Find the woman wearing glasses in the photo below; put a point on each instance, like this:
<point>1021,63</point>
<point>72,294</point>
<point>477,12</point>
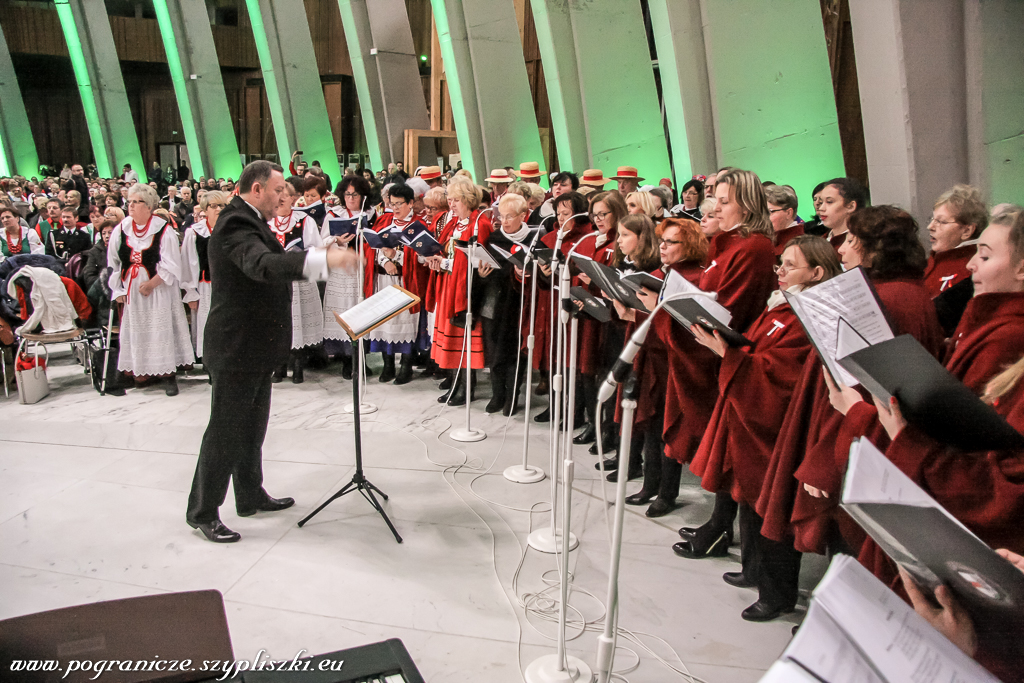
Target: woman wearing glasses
<point>958,217</point>
<point>343,288</point>
<point>195,279</point>
<point>755,386</point>
<point>146,262</point>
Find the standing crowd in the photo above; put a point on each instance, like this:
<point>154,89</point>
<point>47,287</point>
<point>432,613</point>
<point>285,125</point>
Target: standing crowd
<point>762,426</point>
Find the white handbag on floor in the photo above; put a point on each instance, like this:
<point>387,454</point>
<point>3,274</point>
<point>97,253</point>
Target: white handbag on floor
<point>32,383</point>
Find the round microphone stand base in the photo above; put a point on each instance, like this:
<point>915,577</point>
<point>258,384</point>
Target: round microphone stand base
<point>546,670</point>
<point>524,475</point>
<point>467,435</point>
<point>543,541</point>
<point>364,408</point>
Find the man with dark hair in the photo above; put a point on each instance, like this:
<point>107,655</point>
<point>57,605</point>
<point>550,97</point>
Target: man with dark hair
<point>248,334</point>
<point>128,175</point>
<point>49,221</point>
<point>68,240</point>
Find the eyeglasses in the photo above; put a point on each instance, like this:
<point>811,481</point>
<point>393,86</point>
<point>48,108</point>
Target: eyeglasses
<point>669,242</point>
<point>783,268</point>
<point>601,216</point>
<point>771,211</point>
<point>936,221</point>
<point>214,206</point>
<point>136,201</point>
<point>352,194</point>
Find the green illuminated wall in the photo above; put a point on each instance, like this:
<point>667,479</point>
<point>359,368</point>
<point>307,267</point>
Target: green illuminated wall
<point>17,150</point>
<point>198,88</point>
<point>772,92</point>
<point>290,75</point>
<point>491,102</point>
<point>98,73</point>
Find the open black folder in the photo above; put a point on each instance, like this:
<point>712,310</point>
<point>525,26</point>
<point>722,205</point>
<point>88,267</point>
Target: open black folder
<point>930,397</point>
<point>592,306</point>
<point>688,311</point>
<point>934,547</point>
<point>609,281</point>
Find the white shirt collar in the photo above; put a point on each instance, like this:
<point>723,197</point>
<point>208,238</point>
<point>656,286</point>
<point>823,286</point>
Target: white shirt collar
<point>258,212</point>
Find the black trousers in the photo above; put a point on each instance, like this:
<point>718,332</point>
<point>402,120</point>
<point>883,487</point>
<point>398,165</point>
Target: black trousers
<point>773,566</point>
<point>661,473</point>
<point>232,446</point>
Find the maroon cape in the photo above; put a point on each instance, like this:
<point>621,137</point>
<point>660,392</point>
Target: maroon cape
<point>948,268</point>
<point>449,338</point>
<point>755,389</point>
<point>782,237</point>
<point>804,451</point>
<point>591,332</point>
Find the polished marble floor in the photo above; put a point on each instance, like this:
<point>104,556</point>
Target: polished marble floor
<point>92,500</point>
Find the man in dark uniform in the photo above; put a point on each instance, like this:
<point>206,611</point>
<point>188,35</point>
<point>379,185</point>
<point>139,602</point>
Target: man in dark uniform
<point>248,334</point>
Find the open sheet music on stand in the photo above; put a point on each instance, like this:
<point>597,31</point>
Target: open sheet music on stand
<point>932,545</point>
<point>849,297</point>
<point>859,631</point>
<point>481,257</point>
<point>371,313</point>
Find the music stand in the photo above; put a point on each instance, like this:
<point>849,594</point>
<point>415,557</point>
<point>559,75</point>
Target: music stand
<point>359,482</point>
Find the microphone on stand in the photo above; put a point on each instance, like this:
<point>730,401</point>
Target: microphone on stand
<point>624,363</point>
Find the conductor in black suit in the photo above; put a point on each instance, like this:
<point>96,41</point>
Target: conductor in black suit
<point>248,334</point>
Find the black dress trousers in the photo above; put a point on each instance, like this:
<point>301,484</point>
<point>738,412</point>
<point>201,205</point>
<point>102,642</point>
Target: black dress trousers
<point>232,446</point>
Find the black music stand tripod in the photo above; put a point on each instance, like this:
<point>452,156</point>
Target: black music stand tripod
<point>359,482</point>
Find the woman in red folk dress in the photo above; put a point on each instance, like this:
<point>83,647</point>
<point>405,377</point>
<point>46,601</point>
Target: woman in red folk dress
<point>742,274</point>
<point>755,387</point>
<point>802,482</point>
<point>452,303</point>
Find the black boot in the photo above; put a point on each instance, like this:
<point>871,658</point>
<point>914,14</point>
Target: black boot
<point>279,374</point>
<point>388,373</point>
<point>346,367</point>
<point>457,396</point>
<point>588,435</point>
<point>297,364</point>
<point>498,390</point>
<point>405,369</point>
<point>446,383</point>
<point>172,386</point>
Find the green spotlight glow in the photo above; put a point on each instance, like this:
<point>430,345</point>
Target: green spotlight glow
<point>444,39</point>
<point>5,169</point>
<point>259,33</point>
<point>163,20</point>
<point>423,58</point>
<point>78,63</point>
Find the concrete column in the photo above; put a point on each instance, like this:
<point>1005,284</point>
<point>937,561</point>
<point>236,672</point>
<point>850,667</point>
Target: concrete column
<point>198,88</point>
<point>98,73</point>
<point>995,97</point>
<point>771,91</point>
<point>292,80</point>
<point>913,95</point>
<point>17,149</point>
<point>386,71</point>
<point>491,102</point>
<point>598,72</point>
<point>686,90</point>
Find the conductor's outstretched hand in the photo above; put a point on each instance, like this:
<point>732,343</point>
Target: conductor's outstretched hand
<point>340,258</point>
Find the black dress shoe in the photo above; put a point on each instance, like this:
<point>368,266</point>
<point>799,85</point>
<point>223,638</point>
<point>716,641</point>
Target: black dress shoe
<point>172,386</point>
<point>268,505</point>
<point>641,497</point>
<point>495,404</point>
<point>688,532</point>
<point>445,384</point>
<point>660,508</point>
<point>297,376</point>
<point>694,550</point>
<point>738,579</point>
<point>588,435</point>
<point>216,531</point>
<point>630,476</point>
<point>279,374</point>
<point>762,611</point>
<point>610,464</point>
<point>543,416</point>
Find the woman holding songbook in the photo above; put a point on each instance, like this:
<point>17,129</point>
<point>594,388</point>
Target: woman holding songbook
<point>436,215</point>
<point>682,250</point>
<point>574,225</point>
<point>839,199</point>
<point>343,288</point>
<point>297,231</point>
<point>600,343</point>
<point>448,350</point>
<point>755,385</point>
<point>803,478</point>
<point>742,274</point>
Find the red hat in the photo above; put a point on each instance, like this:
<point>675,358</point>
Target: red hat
<point>430,172</point>
<point>594,177</point>
<point>627,173</point>
<point>529,169</point>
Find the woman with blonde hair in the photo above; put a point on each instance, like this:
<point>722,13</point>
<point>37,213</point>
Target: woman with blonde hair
<point>642,203</point>
<point>146,261</point>
<point>958,219</point>
<point>195,278</point>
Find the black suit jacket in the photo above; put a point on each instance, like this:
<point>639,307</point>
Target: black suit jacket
<point>249,328</point>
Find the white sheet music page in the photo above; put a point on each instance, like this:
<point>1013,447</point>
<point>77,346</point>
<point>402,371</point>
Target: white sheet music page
<point>368,313</point>
<point>846,296</point>
<point>899,643</point>
<point>823,648</point>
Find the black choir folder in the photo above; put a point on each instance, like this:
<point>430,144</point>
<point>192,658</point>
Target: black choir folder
<point>858,631</point>
<point>695,310</point>
<point>371,313</point>
<point>610,282</point>
<point>929,396</point>
<point>932,545</point>
<point>592,306</point>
